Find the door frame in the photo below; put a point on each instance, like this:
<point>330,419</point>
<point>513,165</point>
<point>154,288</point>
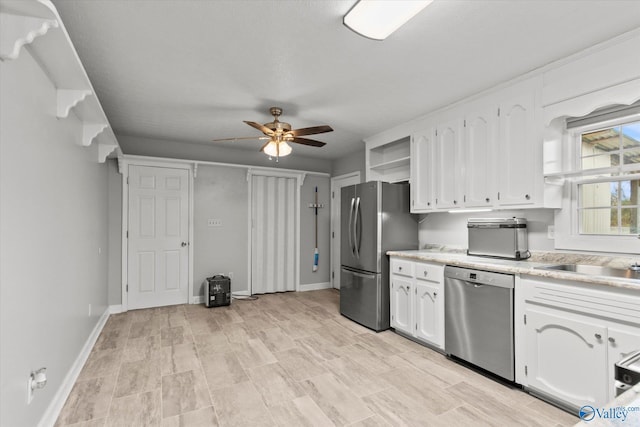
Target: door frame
<point>299,176</point>
<point>337,182</point>
<point>123,169</point>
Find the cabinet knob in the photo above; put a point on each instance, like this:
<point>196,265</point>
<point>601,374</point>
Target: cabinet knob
<point>428,203</point>
<point>455,202</point>
<point>612,340</point>
<point>435,294</point>
<point>408,287</point>
<point>598,336</point>
<point>487,200</point>
<point>526,196</point>
<point>399,268</point>
<point>425,273</point>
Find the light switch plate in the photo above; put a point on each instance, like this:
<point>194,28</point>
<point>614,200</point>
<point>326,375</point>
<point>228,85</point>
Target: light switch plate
<point>551,232</point>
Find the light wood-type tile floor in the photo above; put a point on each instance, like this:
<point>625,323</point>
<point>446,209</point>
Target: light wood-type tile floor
<point>285,359</point>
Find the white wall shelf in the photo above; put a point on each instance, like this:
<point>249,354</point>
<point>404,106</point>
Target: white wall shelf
<point>37,23</point>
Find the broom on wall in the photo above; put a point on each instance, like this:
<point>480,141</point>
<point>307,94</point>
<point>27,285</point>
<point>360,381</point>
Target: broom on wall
<point>316,254</point>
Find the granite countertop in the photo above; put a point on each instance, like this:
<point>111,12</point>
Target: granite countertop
<point>460,258</point>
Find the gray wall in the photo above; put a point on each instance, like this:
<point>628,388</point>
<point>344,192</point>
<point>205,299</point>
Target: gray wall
<point>221,193</point>
<point>53,251</point>
<point>217,153</point>
<point>307,230</point>
<point>451,229</point>
<point>350,163</point>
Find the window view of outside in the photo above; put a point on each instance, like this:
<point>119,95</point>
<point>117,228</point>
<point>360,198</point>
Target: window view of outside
<point>611,206</point>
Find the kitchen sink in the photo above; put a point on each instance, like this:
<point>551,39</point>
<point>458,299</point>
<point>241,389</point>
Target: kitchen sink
<point>594,270</point>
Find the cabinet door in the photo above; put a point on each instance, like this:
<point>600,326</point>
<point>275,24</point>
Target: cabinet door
<point>518,167</point>
<point>401,306</point>
<point>621,342</point>
<point>429,316</point>
<point>448,163</point>
<point>479,140</point>
<point>422,172</point>
<point>566,356</point>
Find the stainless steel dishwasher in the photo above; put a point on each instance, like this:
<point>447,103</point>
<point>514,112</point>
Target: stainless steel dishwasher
<point>479,319</point>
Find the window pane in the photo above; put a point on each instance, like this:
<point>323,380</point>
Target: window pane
<point>601,194</point>
<point>629,192</point>
<point>630,221</point>
<point>601,148</point>
<point>599,221</point>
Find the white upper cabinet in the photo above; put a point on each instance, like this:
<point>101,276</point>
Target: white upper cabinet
<point>448,165</point>
<point>479,140</point>
<point>422,173</point>
<point>388,161</point>
<point>519,149</point>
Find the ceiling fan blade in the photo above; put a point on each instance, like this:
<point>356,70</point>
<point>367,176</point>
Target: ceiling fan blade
<point>237,139</point>
<point>310,131</point>
<point>261,128</point>
<point>306,141</point>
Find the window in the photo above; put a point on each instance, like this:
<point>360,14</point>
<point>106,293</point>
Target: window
<point>608,202</point>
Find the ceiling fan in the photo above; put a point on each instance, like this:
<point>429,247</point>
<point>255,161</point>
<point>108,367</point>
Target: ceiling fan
<point>279,134</point>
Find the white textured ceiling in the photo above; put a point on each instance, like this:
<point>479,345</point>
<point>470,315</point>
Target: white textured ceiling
<point>192,70</point>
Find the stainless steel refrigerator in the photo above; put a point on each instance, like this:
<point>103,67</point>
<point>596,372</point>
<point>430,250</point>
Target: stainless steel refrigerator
<point>375,218</point>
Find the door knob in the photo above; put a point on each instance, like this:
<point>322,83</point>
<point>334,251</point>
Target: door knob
<point>612,340</point>
<point>183,244</point>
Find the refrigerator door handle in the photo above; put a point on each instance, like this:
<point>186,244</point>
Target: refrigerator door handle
<point>355,273</point>
<point>350,231</point>
<point>356,236</point>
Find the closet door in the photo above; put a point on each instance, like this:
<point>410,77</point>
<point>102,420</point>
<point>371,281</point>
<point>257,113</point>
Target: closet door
<point>273,234</point>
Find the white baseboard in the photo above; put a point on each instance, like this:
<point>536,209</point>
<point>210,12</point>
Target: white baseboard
<point>115,309</point>
<point>314,286</point>
<point>55,407</point>
<point>197,300</point>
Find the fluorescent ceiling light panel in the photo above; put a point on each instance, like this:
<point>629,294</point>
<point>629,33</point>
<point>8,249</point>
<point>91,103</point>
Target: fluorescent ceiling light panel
<point>377,19</point>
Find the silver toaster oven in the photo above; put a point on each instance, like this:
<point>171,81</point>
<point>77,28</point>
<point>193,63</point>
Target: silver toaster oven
<point>498,237</point>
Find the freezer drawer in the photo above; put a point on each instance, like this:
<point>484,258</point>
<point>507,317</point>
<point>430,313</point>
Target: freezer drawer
<point>364,298</point>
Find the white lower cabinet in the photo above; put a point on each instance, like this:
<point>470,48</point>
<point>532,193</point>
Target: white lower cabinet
<point>417,300</point>
<point>401,304</point>
<point>429,317</point>
<point>573,334</point>
<point>566,356</point>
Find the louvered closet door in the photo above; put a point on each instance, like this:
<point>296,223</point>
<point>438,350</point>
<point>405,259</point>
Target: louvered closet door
<point>273,210</point>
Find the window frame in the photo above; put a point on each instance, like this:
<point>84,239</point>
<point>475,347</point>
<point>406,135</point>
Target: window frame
<point>567,219</point>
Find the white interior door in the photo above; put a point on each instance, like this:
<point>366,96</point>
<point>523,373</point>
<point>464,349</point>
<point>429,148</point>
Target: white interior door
<point>273,234</point>
<point>337,183</point>
<point>158,252</point>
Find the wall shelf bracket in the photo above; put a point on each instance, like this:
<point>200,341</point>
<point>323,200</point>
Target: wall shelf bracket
<point>67,99</point>
<point>90,131</point>
<point>104,150</point>
<point>19,30</point>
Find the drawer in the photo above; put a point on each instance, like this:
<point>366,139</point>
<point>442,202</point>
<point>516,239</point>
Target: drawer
<point>431,272</point>
<point>404,268</point>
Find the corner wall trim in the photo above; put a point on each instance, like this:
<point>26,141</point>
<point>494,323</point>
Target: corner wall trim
<point>55,407</point>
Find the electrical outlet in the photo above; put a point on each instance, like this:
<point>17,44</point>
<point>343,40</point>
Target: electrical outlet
<point>551,232</point>
<point>213,222</point>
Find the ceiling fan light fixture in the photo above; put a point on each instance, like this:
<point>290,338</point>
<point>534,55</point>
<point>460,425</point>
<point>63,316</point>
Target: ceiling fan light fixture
<point>277,149</point>
<point>378,19</point>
